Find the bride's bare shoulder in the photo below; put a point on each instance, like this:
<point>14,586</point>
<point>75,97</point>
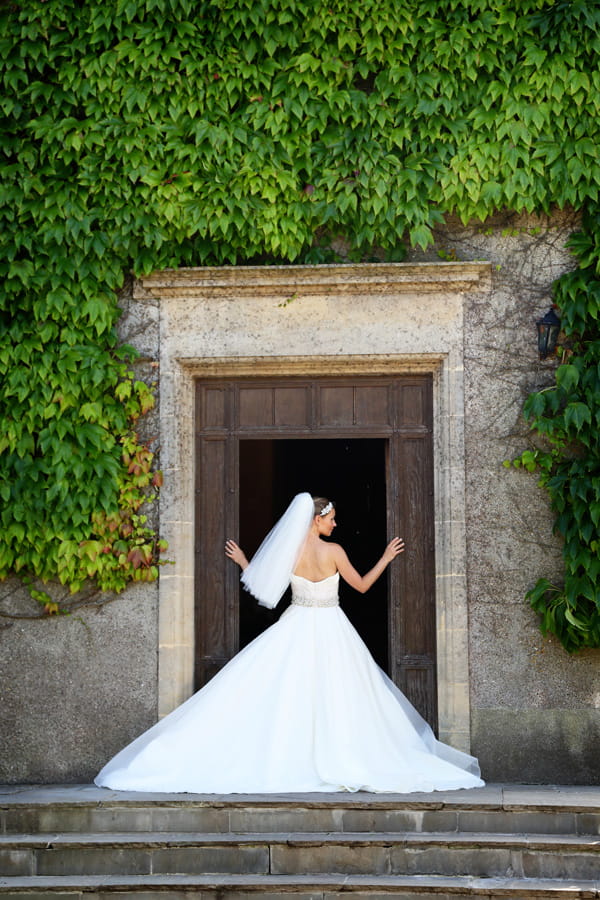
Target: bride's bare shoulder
<point>336,549</point>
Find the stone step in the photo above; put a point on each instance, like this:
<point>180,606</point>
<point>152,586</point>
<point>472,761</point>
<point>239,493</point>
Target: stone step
<point>307,887</point>
<point>491,855</point>
<point>494,808</point>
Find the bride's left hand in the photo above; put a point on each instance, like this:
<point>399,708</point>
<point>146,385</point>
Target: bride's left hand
<point>393,549</point>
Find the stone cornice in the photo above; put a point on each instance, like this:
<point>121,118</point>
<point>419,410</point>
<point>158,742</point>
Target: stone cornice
<point>361,278</point>
<point>310,366</point>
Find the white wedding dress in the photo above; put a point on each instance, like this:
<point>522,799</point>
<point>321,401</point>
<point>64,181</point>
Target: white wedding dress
<point>302,708</point>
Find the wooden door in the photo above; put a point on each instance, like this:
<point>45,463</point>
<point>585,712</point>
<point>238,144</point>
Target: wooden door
<point>398,410</point>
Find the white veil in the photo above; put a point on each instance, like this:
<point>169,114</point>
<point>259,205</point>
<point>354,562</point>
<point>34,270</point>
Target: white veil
<point>268,573</point>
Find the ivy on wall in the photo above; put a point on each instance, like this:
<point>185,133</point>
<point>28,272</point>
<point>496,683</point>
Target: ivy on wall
<point>141,134</point>
<point>567,415</point>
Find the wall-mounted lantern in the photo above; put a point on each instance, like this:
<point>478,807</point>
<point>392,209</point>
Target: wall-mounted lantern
<point>548,329</point>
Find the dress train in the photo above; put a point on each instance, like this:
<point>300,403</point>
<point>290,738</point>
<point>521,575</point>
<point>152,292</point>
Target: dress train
<point>302,708</point>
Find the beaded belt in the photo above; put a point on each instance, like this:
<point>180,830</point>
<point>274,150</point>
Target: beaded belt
<point>310,601</point>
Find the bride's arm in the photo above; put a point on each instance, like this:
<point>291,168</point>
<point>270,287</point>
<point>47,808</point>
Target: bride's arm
<point>236,554</point>
<point>362,583</point>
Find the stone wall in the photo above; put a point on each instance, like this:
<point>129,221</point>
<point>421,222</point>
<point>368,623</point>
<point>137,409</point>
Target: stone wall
<point>74,690</point>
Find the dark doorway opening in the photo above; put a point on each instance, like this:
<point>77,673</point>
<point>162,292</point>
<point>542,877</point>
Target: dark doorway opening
<point>350,471</point>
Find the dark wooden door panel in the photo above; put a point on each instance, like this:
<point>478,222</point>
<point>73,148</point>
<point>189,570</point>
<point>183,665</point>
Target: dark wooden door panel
<point>414,402</point>
<point>372,405</point>
<point>212,411</point>
<point>336,405</point>
<point>399,409</point>
<point>255,407</point>
<point>417,680</point>
<point>213,630</point>
<point>292,406</point>
<point>414,629</point>
<point>417,629</point>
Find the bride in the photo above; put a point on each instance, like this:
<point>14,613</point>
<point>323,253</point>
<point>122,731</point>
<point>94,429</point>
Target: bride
<point>302,708</point>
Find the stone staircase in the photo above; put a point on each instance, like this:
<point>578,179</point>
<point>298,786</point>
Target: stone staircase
<point>494,842</point>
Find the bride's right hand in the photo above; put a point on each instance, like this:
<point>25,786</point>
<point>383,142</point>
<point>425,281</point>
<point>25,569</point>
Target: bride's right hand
<point>234,552</point>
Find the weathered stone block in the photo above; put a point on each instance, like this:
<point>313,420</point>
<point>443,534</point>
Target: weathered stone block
<point>242,859</point>
<point>16,862</point>
<point>562,864</point>
<point>588,823</point>
<point>526,822</point>
<point>440,860</point>
<point>398,820</point>
<point>330,858</point>
<point>282,820</point>
<point>538,745</point>
<point>197,819</point>
<point>93,861</point>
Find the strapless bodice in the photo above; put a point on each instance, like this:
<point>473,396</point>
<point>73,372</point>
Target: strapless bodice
<point>315,593</point>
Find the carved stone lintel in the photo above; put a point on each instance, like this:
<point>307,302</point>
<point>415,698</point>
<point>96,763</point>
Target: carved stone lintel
<point>381,278</point>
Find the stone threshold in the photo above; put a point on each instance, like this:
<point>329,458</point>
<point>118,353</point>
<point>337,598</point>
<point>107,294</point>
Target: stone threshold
<point>459,840</point>
<point>492,796</point>
<point>320,886</point>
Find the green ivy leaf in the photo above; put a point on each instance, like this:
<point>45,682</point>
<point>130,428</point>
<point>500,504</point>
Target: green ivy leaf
<point>577,415</point>
<point>567,377</point>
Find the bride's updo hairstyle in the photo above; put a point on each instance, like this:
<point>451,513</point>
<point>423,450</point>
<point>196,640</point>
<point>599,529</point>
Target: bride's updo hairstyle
<point>323,506</point>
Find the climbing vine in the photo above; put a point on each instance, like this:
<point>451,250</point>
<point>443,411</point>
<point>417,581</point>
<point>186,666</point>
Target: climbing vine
<point>141,134</point>
<point>567,415</point>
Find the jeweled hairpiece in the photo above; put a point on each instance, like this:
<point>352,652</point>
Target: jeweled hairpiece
<point>326,509</point>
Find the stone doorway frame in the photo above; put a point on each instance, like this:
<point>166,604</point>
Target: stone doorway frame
<point>427,299</point>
